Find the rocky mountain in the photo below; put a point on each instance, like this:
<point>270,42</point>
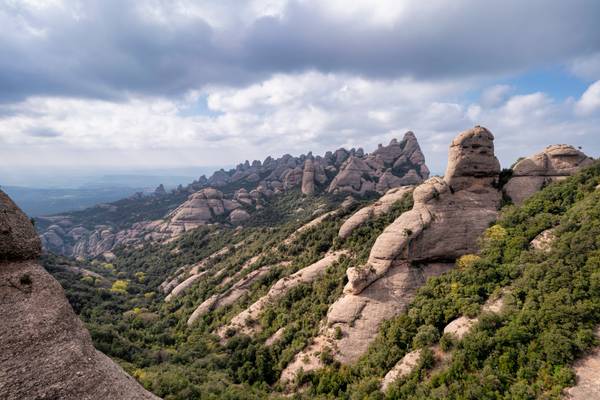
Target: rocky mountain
<point>350,275</point>
<point>232,196</point>
<point>46,352</point>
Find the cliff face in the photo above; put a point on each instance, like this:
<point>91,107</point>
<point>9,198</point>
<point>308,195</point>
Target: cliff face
<point>232,196</point>
<point>45,351</point>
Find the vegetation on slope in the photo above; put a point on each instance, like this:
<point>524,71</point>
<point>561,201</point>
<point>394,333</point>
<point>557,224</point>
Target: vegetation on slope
<point>522,353</point>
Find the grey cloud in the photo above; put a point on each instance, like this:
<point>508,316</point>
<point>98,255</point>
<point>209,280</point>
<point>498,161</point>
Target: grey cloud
<point>114,52</point>
<point>43,132</point>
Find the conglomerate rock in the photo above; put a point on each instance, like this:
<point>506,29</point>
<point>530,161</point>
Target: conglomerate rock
<point>554,163</point>
<point>45,350</point>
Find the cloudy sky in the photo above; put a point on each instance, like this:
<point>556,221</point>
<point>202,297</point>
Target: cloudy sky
<point>172,83</point>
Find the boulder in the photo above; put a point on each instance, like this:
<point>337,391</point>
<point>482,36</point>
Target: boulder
<point>238,216</point>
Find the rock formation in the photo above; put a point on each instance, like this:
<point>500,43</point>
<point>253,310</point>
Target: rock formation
<point>445,222</point>
<point>227,197</point>
<point>403,368</point>
<point>398,164</point>
<point>45,350</point>
<point>554,163</point>
<point>380,207</point>
<point>308,177</point>
<point>448,214</point>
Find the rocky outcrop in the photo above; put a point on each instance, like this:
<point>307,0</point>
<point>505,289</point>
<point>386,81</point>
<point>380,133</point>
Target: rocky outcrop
<point>448,214</point>
<point>207,206</point>
<point>457,329</point>
<point>403,368</point>
<point>308,177</point>
<point>344,207</point>
<point>554,163</point>
<point>398,164</point>
<point>380,207</point>
<point>200,209</point>
<point>18,239</point>
<point>544,240</point>
<point>182,287</point>
<point>359,317</point>
<point>447,218</point>
<point>230,296</point>
<point>45,350</point>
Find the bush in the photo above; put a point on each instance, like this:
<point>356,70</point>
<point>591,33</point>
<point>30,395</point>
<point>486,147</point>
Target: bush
<point>426,335</point>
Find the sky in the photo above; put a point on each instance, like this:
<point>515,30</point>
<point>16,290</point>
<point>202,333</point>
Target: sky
<point>161,84</point>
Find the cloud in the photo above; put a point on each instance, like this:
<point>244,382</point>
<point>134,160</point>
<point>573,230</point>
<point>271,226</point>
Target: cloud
<point>590,100</point>
<point>294,114</point>
<point>111,49</point>
<point>42,132</point>
<point>587,66</point>
<point>495,95</point>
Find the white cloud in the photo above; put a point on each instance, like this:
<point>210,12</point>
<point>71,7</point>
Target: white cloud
<point>495,95</point>
<point>285,114</point>
<point>590,100</point>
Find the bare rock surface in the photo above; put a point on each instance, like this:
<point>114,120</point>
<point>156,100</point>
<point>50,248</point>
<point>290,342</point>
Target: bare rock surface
<point>274,338</point>
<point>45,350</point>
<point>181,288</point>
<point>544,240</point>
<point>403,368</point>
<point>553,163</point>
<point>359,316</point>
<point>18,239</point>
<point>380,207</point>
<point>459,327</point>
<point>308,177</point>
<point>587,376</point>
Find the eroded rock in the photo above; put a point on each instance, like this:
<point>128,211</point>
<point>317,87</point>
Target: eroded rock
<point>554,163</point>
<point>380,207</point>
<point>45,350</point>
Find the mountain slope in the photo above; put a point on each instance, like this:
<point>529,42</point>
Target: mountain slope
<point>505,323</point>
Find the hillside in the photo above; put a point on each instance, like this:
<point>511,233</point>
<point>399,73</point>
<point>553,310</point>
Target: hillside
<point>444,289</point>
